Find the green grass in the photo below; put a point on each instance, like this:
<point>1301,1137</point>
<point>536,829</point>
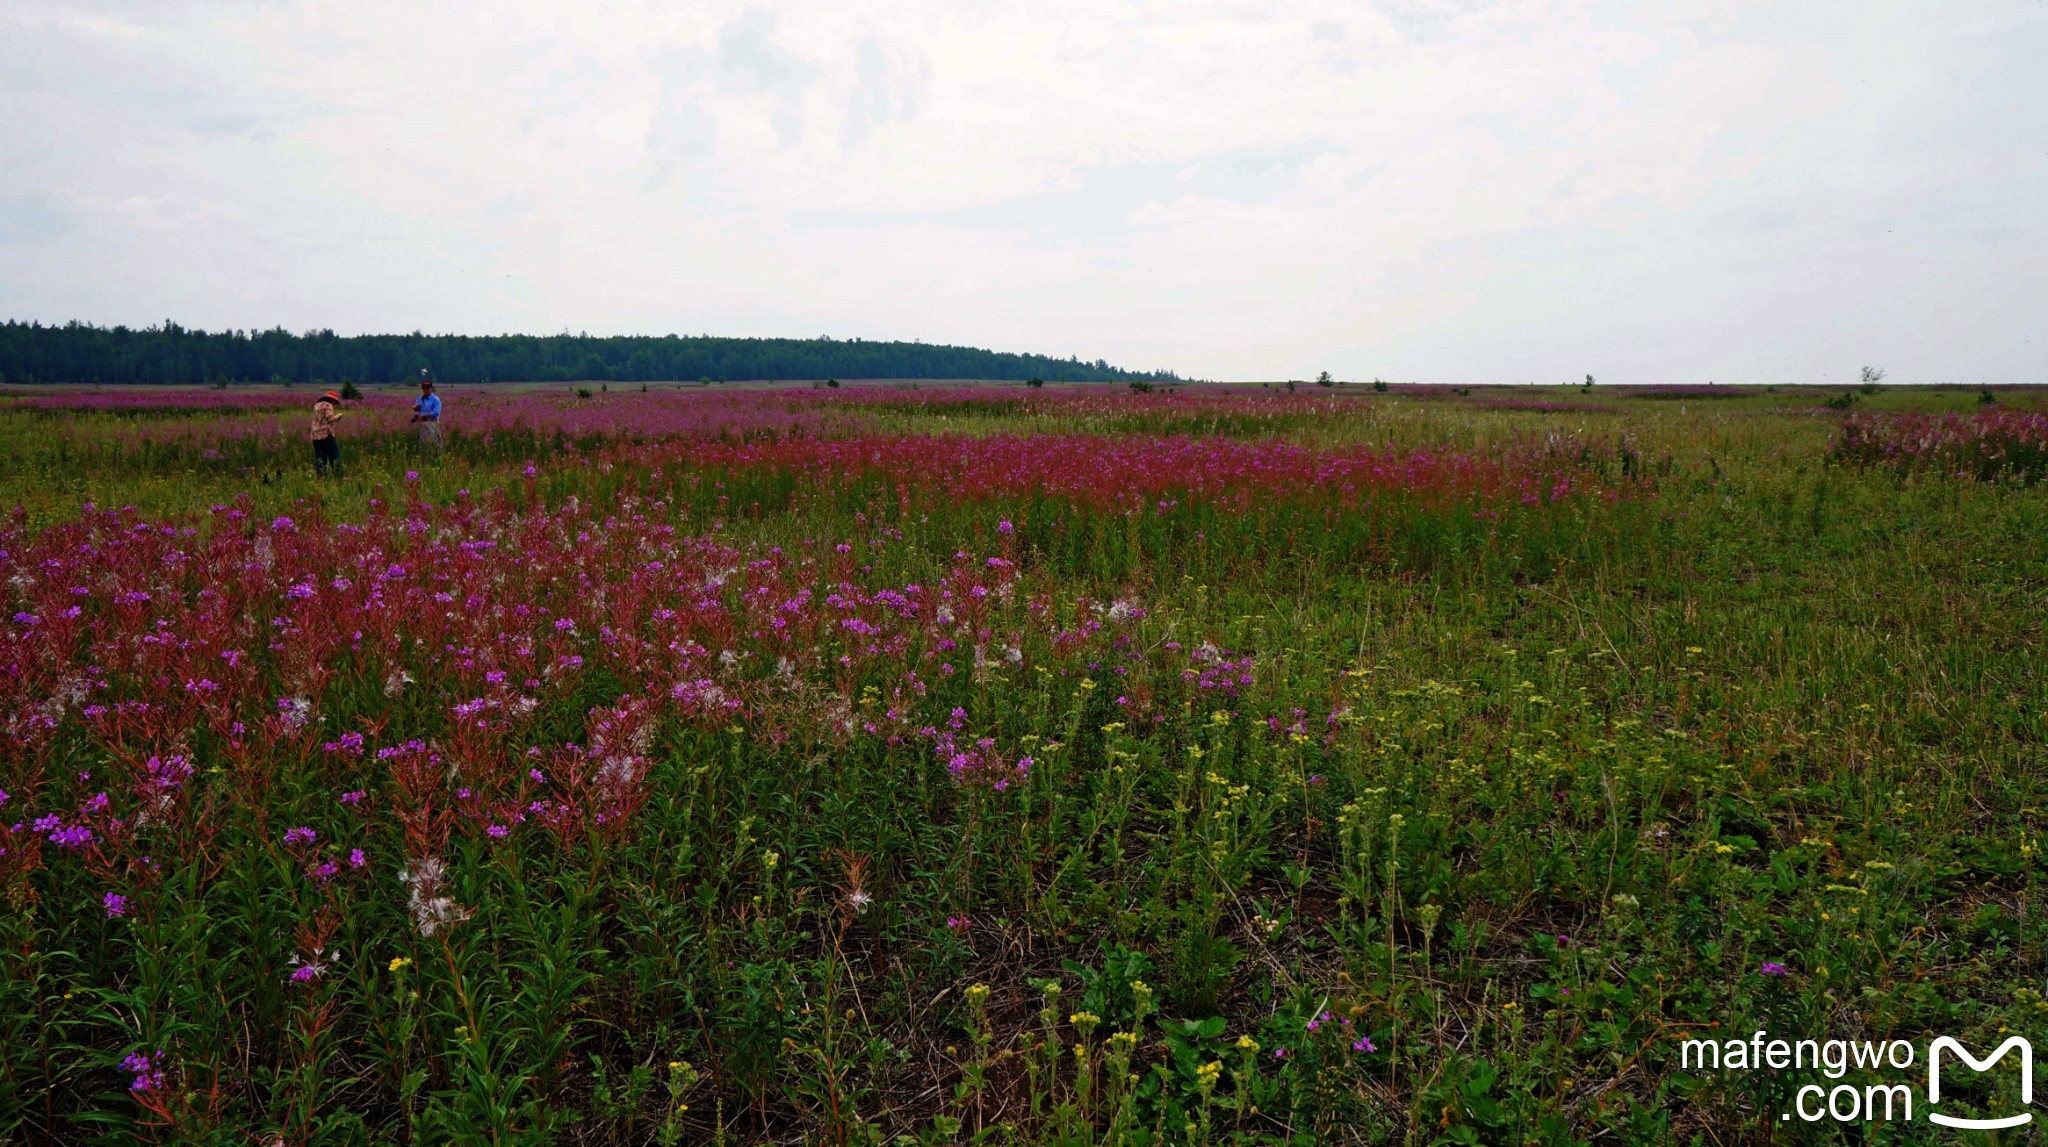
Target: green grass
<point>1779,711</point>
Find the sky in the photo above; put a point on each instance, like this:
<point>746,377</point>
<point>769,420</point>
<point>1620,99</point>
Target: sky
<point>1451,191</point>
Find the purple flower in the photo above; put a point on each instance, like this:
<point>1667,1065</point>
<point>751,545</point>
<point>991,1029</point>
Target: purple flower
<point>115,904</point>
<point>147,1068</point>
<point>1771,969</point>
<point>76,836</point>
<point>356,859</point>
<point>300,835</point>
<point>311,970</point>
<point>1363,1043</point>
<point>354,798</point>
<point>1004,527</point>
<point>498,832</point>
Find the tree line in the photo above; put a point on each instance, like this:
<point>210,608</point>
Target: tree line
<point>172,354</point>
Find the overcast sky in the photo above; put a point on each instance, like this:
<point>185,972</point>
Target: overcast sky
<point>1440,190</point>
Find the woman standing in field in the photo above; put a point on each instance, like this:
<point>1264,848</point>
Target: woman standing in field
<point>326,447</point>
<point>427,412</point>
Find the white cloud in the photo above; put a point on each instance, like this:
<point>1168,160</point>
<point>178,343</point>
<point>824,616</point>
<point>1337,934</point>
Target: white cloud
<point>1458,191</point>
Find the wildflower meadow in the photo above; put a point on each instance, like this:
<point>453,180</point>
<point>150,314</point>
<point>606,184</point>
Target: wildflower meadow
<point>1075,764</point>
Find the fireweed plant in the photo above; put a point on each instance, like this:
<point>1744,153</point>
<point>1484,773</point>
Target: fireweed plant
<point>954,766</point>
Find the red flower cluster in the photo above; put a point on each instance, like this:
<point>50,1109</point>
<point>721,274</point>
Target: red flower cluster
<point>250,642</point>
<point>1986,445</point>
<point>1133,470</point>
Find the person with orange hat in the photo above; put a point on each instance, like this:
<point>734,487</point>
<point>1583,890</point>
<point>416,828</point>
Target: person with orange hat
<point>326,447</point>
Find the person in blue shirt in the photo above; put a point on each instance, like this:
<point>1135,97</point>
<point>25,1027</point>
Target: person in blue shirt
<point>427,412</point>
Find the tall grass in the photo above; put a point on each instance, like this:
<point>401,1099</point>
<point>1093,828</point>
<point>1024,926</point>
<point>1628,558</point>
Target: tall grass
<point>1279,818</point>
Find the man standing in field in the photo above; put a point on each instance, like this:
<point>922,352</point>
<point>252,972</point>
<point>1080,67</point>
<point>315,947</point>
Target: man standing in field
<point>427,412</point>
<point>326,447</point>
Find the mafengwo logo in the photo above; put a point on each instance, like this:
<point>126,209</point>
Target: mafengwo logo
<point>1885,1101</point>
<point>2026,1051</point>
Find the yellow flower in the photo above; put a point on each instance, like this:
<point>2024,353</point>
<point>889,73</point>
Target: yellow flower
<point>398,962</point>
<point>1247,1043</point>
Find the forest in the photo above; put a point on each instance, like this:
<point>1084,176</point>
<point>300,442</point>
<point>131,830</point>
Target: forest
<point>171,354</point>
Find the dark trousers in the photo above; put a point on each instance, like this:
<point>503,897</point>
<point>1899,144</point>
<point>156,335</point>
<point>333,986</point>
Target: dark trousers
<point>326,453</point>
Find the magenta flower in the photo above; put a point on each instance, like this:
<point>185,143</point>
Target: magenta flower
<point>147,1068</point>
<point>1773,969</point>
<point>1363,1043</point>
<point>115,904</point>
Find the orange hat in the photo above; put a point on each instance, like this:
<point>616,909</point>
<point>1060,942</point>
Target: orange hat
<point>330,396</point>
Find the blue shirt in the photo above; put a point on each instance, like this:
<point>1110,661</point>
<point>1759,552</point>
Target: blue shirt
<point>428,406</point>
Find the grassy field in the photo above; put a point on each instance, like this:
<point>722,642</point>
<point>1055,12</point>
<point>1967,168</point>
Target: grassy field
<point>1063,766</point>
